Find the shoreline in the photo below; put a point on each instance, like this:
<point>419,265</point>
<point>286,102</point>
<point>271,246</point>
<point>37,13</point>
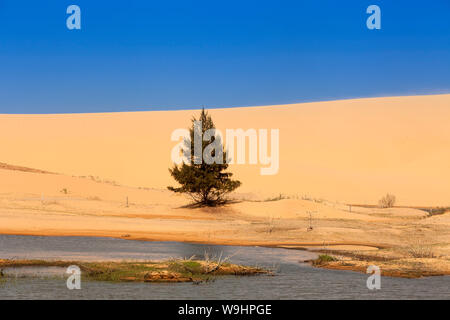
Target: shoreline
<point>343,266</point>
<point>348,260</point>
<point>397,267</point>
<point>224,242</point>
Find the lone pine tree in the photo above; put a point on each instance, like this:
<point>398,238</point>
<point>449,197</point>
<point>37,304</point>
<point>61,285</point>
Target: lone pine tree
<point>206,182</point>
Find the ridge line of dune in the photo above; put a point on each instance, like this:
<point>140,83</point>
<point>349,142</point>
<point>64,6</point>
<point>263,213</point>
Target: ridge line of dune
<point>6,166</point>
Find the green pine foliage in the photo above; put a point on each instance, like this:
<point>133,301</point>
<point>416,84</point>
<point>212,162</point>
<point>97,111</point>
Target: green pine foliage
<point>206,184</point>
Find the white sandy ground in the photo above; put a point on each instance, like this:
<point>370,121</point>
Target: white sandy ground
<point>332,154</point>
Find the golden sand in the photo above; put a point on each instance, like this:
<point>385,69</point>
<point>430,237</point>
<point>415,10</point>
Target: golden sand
<point>113,174</point>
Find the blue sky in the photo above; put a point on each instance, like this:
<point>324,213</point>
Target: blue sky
<point>157,55</point>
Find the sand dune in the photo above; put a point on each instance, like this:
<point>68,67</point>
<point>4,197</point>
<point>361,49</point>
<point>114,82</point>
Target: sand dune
<point>106,175</point>
<point>54,204</point>
<point>352,151</point>
<point>36,203</point>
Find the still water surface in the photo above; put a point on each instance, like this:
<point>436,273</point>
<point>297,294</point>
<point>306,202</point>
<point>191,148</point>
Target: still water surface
<point>294,280</point>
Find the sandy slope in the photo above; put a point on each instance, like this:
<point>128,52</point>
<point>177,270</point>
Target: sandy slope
<point>53,204</point>
<point>350,150</point>
<point>34,203</point>
<point>344,151</point>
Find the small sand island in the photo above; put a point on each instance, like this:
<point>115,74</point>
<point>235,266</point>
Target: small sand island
<point>403,266</point>
<point>176,270</point>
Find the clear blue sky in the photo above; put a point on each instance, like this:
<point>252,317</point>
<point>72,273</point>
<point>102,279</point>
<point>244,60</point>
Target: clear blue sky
<point>154,55</point>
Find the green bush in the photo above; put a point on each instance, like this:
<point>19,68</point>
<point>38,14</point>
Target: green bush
<point>323,258</point>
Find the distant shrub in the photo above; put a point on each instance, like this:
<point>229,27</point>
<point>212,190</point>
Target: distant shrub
<point>326,258</point>
<point>277,198</point>
<point>438,211</point>
<point>388,201</point>
<point>323,258</point>
<point>420,249</point>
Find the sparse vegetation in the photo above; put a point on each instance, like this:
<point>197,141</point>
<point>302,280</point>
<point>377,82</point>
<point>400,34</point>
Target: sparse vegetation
<point>99,180</point>
<point>413,261</point>
<point>323,258</point>
<point>388,201</point>
<point>270,225</point>
<point>277,198</point>
<point>438,211</point>
<point>176,270</point>
<point>420,249</point>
